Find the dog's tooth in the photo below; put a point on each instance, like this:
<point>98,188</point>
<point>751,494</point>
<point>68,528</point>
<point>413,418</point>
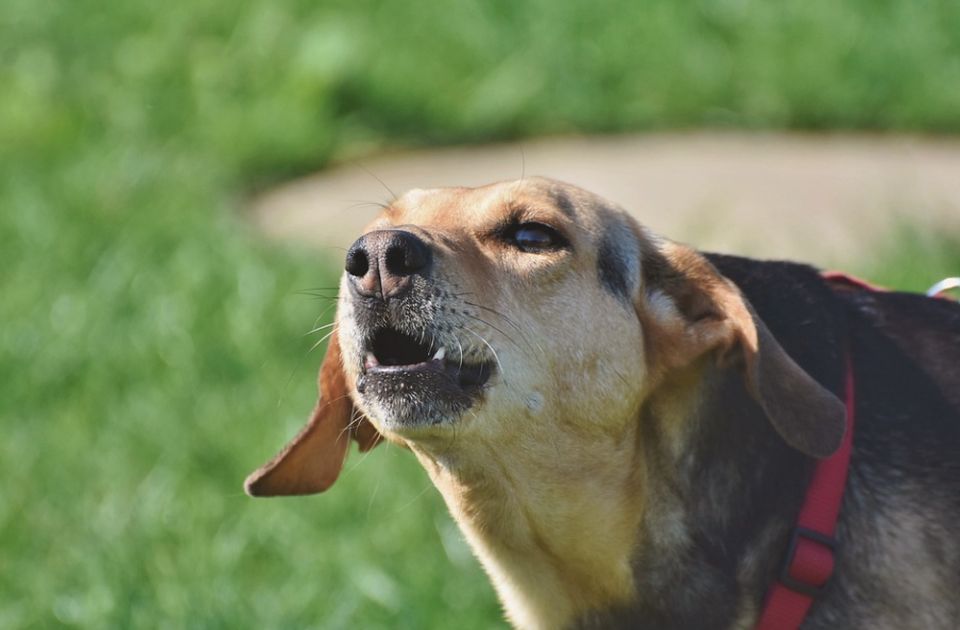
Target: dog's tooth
<point>442,352</point>
<point>371,361</point>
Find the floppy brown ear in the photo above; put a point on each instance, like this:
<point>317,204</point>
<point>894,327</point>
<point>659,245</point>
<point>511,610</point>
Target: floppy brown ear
<point>695,311</point>
<point>311,462</point>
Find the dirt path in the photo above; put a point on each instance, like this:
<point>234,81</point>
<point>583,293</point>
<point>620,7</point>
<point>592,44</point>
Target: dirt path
<point>824,199</point>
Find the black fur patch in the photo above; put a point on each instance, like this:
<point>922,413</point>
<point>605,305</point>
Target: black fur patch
<point>612,269</point>
<point>563,203</point>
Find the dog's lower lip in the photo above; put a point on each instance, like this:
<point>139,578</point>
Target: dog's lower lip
<point>474,374</point>
<point>463,375</point>
<point>412,367</point>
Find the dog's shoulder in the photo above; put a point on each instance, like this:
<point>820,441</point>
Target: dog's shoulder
<point>925,330</point>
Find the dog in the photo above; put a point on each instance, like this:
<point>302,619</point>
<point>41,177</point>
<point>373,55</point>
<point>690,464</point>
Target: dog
<point>624,428</point>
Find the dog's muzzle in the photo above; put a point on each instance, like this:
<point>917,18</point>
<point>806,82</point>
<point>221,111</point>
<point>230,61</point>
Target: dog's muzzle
<point>413,363</point>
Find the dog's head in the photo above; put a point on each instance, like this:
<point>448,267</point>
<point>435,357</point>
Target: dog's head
<point>524,313</point>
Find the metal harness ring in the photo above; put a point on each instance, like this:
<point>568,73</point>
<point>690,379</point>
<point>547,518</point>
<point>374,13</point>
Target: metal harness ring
<point>940,288</point>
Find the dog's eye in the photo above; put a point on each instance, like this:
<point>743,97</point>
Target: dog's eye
<point>535,237</point>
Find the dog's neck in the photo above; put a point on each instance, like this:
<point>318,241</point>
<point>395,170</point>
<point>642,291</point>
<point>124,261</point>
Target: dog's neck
<point>554,533</point>
<point>574,541</point>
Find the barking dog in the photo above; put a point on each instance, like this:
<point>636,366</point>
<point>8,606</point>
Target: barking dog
<point>624,428</point>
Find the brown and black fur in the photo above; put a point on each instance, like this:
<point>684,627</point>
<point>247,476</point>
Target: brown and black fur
<point>740,486</point>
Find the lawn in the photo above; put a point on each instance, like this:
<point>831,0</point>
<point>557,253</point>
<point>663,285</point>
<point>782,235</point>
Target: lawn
<point>153,348</point>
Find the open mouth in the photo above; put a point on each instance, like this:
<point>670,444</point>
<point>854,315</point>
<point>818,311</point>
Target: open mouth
<point>392,353</point>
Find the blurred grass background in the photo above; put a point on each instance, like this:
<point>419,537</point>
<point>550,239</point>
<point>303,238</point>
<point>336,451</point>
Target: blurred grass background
<point>152,348</point>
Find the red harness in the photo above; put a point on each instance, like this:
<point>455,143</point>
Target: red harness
<point>810,555</point>
<point>809,561</point>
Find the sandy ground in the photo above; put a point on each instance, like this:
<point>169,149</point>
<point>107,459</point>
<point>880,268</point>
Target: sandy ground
<point>825,199</point>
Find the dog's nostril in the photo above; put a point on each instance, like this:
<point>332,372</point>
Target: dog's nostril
<point>357,262</point>
<point>397,261</point>
<point>406,255</point>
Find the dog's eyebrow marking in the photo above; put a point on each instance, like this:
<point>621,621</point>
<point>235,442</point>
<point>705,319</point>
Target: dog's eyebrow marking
<point>611,269</point>
<point>617,261</point>
<point>563,203</point>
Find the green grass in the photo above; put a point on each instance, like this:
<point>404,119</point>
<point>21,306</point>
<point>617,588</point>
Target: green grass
<point>912,260</point>
<point>152,349</point>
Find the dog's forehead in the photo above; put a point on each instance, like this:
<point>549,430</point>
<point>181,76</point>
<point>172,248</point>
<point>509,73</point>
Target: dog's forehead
<point>451,208</point>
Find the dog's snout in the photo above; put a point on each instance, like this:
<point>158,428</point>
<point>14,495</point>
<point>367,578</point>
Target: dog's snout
<point>382,264</point>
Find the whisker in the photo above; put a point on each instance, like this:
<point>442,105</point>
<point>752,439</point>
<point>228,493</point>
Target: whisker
<point>496,357</point>
<point>376,487</point>
<point>315,294</point>
<point>319,317</point>
<point>324,293</point>
<point>356,203</point>
<point>409,503</point>
<point>354,421</point>
<point>322,339</point>
<point>319,328</point>
<point>510,321</point>
<point>455,427</point>
<point>459,345</point>
<point>324,312</point>
<point>307,289</point>
<point>327,403</point>
<point>485,322</point>
<point>286,385</point>
<point>330,301</point>
<point>382,183</point>
<point>505,317</point>
<point>319,296</point>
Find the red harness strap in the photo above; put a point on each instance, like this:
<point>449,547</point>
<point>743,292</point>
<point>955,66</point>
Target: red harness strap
<point>809,561</point>
<point>838,277</point>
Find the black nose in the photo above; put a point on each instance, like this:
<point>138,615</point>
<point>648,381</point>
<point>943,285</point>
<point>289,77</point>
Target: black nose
<point>382,264</point>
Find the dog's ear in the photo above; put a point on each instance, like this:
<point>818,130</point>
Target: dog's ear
<point>311,462</point>
<point>694,310</point>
